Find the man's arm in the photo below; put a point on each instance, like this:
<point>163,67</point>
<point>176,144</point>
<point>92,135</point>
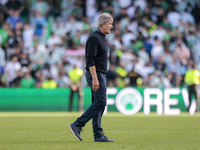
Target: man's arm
<point>90,60</point>
<point>95,82</point>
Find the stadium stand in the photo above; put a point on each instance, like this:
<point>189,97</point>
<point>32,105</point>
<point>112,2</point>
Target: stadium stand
<point>153,42</point>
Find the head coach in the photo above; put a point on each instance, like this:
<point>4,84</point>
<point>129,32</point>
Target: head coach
<point>96,66</point>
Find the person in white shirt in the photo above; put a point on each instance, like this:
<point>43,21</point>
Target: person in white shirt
<point>142,4</point>
<point>173,18</point>
<point>124,3</point>
<point>58,29</point>
<point>72,26</point>
<point>117,42</point>
<point>28,36</point>
<point>11,69</point>
<point>187,17</point>
<point>40,6</point>
<point>127,37</point>
<point>53,39</point>
<point>160,33</point>
<point>157,49</point>
<point>2,57</point>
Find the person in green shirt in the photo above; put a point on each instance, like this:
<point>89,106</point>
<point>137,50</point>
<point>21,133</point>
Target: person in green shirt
<point>27,81</point>
<point>4,34</point>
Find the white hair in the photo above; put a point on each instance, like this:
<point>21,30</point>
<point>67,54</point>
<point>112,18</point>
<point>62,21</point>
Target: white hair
<point>103,19</point>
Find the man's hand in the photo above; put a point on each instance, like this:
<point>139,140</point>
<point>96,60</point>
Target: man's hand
<point>95,84</point>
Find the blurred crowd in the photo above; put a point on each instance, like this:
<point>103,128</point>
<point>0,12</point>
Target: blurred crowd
<point>153,42</point>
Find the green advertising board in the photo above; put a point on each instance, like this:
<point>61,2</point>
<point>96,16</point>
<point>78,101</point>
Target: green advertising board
<point>129,100</point>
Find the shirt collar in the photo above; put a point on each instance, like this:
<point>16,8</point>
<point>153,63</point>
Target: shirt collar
<point>100,32</point>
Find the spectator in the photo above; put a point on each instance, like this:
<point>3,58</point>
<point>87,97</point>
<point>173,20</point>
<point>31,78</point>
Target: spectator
<point>144,32</point>
<point>76,11</point>
<point>147,45</point>
<point>2,77</point>
<point>4,34</point>
<point>12,70</point>
<point>84,37</point>
<point>157,49</point>
<point>111,76</point>
<point>164,82</point>
<point>160,65</point>
<point>41,7</point>
<point>39,78</point>
<point>49,83</point>
<point>192,79</point>
<point>196,14</point>
<point>90,9</point>
<point>153,80</point>
<point>68,41</point>
<point>143,55</point>
<point>127,37</point>
<point>121,74</point>
<point>58,29</point>
<point>75,86</point>
<point>134,77</point>
<point>14,19</point>
<point>187,17</point>
<point>27,36</point>
<point>182,53</point>
<point>39,23</point>
<point>27,81</point>
<point>175,43</point>
<point>63,80</point>
<point>173,17</point>
<point>11,44</point>
<point>160,33</point>
<point>25,62</point>
<point>36,58</point>
<point>2,57</point>
<point>53,59</point>
<point>13,5</point>
<point>53,40</point>
<point>72,26</point>
<point>65,5</point>
<point>142,4</point>
<point>124,4</point>
<point>46,71</point>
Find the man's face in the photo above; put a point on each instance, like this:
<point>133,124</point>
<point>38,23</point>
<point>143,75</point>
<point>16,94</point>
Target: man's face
<point>107,27</point>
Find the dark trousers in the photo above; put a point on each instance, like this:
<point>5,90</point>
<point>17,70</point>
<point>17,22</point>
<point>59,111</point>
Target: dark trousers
<point>97,107</point>
<point>193,89</point>
<point>72,95</point>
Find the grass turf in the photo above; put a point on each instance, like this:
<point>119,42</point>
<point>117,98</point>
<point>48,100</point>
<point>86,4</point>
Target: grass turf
<point>49,131</point>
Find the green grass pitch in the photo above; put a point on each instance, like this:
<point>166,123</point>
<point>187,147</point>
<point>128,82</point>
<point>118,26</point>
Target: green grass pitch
<point>49,131</point>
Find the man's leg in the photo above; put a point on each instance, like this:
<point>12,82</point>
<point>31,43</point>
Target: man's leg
<point>93,110</point>
<point>99,103</point>
<point>96,120</point>
<point>97,107</point>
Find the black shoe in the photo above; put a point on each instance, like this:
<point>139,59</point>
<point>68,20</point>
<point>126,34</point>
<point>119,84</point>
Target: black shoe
<point>76,131</point>
<point>103,138</point>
